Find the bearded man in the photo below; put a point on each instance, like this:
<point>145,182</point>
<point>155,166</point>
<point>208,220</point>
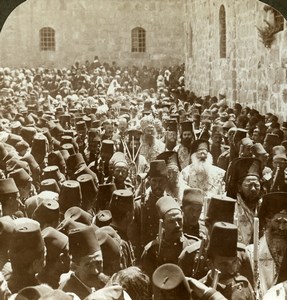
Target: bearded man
<point>243,183</point>
<point>175,184</point>
<point>151,146</point>
<point>273,244</point>
<point>201,173</point>
<point>183,149</point>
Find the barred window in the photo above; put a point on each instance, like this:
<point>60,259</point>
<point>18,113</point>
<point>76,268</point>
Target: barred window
<point>47,39</point>
<point>222,32</point>
<point>138,40</point>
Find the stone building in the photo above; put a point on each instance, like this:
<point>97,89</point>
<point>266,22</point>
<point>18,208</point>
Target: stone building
<point>224,51</point>
<point>60,32</point>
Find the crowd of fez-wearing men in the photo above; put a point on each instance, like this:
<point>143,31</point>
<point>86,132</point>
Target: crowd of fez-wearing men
<point>119,183</point>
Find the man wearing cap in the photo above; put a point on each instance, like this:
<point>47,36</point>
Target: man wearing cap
<point>57,257</point>
<point>192,260</point>
<point>186,139</point>
<point>119,171</point>
<point>145,224</point>
<point>222,256</point>
<point>122,210</point>
<point>192,204</point>
<point>175,183</point>
<point>279,182</point>
<point>273,244</point>
<point>243,184</point>
<point>216,147</point>
<point>170,134</point>
<point>201,173</point>
<point>170,241</point>
<point>151,146</point>
<point>27,254</point>
<point>9,197</point>
<point>87,263</point>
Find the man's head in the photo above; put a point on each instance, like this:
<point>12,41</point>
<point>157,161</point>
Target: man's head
<point>122,207</point>
<point>86,254</point>
<point>9,196</point>
<point>250,188</point>
<point>222,250</point>
<point>192,203</point>
<point>27,249</point>
<point>187,135</point>
<point>169,211</point>
<point>157,177</point>
<point>273,214</point>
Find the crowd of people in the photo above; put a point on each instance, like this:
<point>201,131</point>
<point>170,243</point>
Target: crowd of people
<point>119,183</point>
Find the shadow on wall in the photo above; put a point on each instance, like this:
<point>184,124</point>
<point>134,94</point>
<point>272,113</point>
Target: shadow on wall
<point>6,7</point>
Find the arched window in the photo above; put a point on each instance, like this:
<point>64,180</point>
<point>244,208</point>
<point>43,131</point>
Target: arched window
<point>47,39</point>
<point>222,32</point>
<point>138,40</point>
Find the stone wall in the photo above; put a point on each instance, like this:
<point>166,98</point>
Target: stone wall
<point>85,28</point>
<point>251,73</point>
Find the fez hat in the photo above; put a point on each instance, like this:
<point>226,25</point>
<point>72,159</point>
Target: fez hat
<point>104,195</point>
<point>13,139</point>
<point>28,134</point>
<point>20,176</point>
<point>52,172</point>
<point>84,170</point>
<point>170,158</point>
<point>122,200</point>
<point>78,215</point>
<point>26,241</point>
<point>56,158</point>
<point>223,240</point>
<point>107,147</point>
<point>88,188</point>
<point>39,146</point>
<point>34,292</point>
<point>196,197</point>
<point>165,204</point>
<point>111,250</point>
<point>65,154</point>
<point>29,158</point>
<point>83,241</point>
<point>49,185</point>
<point>70,195</point>
<point>81,126</point>
<point>238,170</point>
<point>69,147</point>
<point>75,161</point>
<point>67,139</point>
<point>103,218</point>
<point>96,124</point>
<point>68,224</point>
<point>158,168</point>
<point>169,282</point>
<point>14,163</point>
<point>45,131</point>
<point>7,227</point>
<point>8,186</point>
<point>47,212</point>
<point>55,242</point>
<point>272,203</point>
<point>221,209</point>
<point>200,143</point>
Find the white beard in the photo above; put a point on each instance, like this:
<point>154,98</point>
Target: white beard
<point>202,168</point>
